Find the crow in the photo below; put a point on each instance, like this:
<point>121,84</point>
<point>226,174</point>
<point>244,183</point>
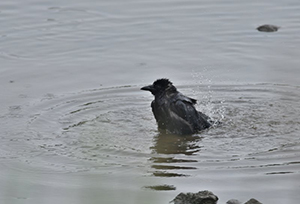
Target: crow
<point>174,112</point>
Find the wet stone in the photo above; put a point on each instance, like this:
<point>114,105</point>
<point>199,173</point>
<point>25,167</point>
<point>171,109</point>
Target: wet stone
<point>268,28</point>
<point>202,197</point>
<point>205,197</point>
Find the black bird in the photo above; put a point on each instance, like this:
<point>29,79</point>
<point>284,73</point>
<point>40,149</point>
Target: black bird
<point>174,112</point>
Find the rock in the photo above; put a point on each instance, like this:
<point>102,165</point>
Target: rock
<point>268,28</point>
<point>253,201</point>
<point>205,197</point>
<point>202,197</point>
<point>233,201</point>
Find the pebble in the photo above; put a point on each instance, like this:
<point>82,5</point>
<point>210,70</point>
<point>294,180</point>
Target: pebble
<point>268,28</point>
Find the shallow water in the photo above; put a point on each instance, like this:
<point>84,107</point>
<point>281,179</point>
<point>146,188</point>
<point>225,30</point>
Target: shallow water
<point>77,129</point>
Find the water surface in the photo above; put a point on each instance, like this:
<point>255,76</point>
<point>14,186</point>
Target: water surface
<point>77,129</point>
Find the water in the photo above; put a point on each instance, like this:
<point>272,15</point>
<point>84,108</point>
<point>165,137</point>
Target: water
<point>77,129</point>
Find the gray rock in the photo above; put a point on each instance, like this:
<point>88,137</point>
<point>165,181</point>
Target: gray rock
<point>202,197</point>
<point>233,201</point>
<point>253,201</point>
<point>268,28</point>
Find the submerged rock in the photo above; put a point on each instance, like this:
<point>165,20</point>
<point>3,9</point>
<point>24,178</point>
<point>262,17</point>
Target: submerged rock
<point>233,201</point>
<point>268,28</point>
<point>253,201</point>
<point>202,197</point>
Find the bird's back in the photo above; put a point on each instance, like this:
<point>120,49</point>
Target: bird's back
<point>176,114</point>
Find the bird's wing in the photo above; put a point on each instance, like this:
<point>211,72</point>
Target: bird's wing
<point>182,97</point>
<point>186,111</point>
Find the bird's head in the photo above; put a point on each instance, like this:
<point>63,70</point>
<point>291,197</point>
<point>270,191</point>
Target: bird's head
<point>159,86</point>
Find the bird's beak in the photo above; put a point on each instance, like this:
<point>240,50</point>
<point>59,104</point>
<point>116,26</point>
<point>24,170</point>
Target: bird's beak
<point>148,88</point>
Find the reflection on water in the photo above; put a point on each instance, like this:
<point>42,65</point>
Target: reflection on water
<point>166,144</point>
<point>161,187</point>
<point>164,165</point>
<point>176,144</point>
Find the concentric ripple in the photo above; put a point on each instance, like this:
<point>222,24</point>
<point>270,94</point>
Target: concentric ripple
<point>101,126</point>
<point>112,129</point>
